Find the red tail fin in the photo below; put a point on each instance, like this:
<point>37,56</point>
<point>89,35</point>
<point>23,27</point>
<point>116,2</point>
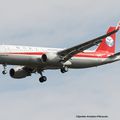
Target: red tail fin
<point>108,43</point>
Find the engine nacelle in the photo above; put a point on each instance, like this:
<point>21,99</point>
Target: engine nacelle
<point>50,58</point>
<point>19,72</point>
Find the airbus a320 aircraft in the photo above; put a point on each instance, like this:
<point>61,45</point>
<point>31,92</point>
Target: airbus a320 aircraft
<point>34,59</point>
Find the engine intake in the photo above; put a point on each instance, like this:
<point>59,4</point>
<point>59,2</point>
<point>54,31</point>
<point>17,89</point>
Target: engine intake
<point>50,58</point>
<point>44,58</point>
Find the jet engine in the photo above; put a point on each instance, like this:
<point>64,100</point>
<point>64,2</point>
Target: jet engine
<point>50,58</point>
<point>19,72</point>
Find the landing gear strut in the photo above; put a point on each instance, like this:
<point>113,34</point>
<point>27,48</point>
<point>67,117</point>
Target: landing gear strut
<point>64,69</point>
<point>42,78</point>
<point>4,71</point>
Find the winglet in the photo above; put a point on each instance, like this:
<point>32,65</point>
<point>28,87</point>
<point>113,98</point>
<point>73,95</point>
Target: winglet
<point>118,26</point>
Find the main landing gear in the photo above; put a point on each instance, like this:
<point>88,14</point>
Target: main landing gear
<point>4,71</point>
<point>42,78</point>
<point>64,69</point>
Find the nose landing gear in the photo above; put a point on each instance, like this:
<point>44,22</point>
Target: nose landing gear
<point>4,71</point>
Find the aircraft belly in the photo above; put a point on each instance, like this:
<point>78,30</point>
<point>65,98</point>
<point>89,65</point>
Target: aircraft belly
<point>85,62</point>
<point>35,61</point>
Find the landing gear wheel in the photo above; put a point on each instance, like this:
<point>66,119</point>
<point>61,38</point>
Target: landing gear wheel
<point>42,79</point>
<point>4,72</point>
<point>64,69</point>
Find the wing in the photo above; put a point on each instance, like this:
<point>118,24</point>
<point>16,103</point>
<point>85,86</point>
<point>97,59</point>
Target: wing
<point>70,52</point>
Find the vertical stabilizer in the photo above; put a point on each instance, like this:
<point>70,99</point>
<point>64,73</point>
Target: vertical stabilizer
<point>108,44</point>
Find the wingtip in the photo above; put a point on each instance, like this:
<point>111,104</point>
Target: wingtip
<point>118,26</point>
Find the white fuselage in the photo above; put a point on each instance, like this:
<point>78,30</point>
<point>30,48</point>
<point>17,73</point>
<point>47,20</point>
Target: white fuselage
<point>31,56</point>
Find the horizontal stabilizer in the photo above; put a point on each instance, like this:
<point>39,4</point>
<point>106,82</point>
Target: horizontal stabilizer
<point>115,56</point>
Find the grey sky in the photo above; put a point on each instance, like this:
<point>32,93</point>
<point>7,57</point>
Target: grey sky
<point>60,23</point>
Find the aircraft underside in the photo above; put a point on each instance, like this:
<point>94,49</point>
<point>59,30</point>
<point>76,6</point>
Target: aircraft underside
<point>75,62</point>
<point>33,64</point>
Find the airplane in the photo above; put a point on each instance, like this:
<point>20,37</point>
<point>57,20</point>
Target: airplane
<point>38,59</point>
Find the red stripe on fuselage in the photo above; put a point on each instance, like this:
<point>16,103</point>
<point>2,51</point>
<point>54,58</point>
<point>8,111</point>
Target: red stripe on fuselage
<point>82,54</point>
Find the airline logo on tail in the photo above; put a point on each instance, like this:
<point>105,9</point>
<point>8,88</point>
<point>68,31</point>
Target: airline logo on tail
<point>109,41</point>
